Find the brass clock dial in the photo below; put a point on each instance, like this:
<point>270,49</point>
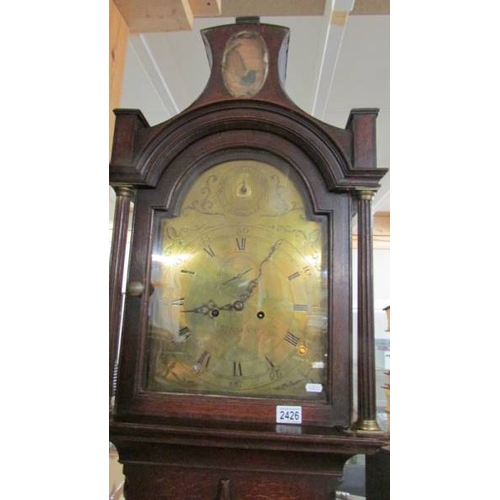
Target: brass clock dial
<point>240,301</point>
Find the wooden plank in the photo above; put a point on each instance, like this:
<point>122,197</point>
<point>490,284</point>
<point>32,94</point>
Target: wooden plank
<point>118,37</point>
<point>371,8</point>
<point>206,8</point>
<point>235,8</point>
<point>149,16</point>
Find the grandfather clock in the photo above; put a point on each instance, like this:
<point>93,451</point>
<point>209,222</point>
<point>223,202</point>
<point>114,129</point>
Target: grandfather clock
<point>231,377</point>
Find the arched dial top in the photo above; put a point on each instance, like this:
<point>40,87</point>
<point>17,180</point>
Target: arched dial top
<point>240,274</point>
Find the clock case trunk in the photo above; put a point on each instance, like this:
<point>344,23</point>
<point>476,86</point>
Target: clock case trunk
<point>236,438</point>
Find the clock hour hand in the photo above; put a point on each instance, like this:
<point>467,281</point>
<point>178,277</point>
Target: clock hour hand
<point>210,308</point>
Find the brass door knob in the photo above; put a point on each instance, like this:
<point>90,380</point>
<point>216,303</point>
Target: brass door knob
<point>135,288</point>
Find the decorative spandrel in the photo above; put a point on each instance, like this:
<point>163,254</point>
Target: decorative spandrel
<point>241,289</point>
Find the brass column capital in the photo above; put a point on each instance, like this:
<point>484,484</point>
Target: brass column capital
<point>124,191</point>
<point>365,194</point>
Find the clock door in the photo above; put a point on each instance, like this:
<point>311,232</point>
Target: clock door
<point>239,317</point>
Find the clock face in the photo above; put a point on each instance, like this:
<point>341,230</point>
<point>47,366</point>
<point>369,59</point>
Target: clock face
<point>240,297</point>
<point>245,64</point>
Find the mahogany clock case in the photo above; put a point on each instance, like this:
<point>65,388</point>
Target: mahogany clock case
<point>222,443</point>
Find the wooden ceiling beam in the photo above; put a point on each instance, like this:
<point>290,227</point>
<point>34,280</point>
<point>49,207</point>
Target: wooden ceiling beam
<point>235,8</point>
<point>371,8</point>
<point>149,16</point>
<point>206,8</point>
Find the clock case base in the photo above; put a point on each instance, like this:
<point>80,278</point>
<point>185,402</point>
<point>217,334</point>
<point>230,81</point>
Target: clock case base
<point>174,461</point>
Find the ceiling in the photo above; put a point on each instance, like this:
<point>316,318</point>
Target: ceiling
<point>338,60</point>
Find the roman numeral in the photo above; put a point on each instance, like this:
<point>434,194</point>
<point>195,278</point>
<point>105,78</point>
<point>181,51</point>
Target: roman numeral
<point>204,359</point>
<point>185,271</point>
<point>178,302</point>
<point>209,251</point>
<point>237,369</point>
<point>184,331</point>
<point>293,276</point>
<point>291,339</point>
<point>300,307</point>
<point>241,243</point>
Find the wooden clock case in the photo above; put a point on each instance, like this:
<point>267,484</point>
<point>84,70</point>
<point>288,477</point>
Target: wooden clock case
<point>197,447</point>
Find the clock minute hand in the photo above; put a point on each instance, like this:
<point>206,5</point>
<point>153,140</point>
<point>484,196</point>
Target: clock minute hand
<point>269,255</point>
<point>239,305</point>
<point>252,285</point>
<point>237,276</point>
<point>273,249</point>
